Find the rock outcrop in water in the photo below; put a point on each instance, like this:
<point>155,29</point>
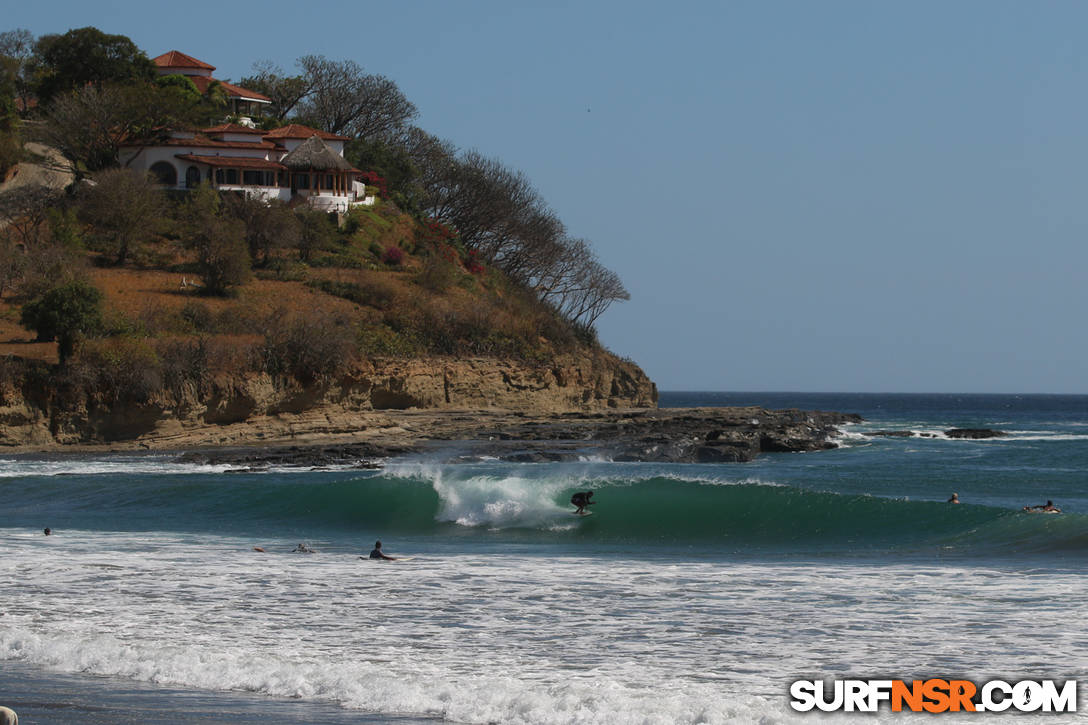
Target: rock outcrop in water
<point>674,435</point>
<point>974,433</point>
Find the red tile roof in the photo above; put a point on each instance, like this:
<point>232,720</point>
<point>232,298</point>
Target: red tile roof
<point>202,83</point>
<point>233,162</point>
<point>233,128</point>
<point>304,132</point>
<point>175,59</point>
<point>205,142</point>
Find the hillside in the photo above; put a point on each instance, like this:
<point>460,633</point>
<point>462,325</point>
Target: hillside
<point>385,313</point>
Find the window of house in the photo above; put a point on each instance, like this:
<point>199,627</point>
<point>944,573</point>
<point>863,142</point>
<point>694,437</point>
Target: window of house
<point>252,178</point>
<point>192,177</point>
<point>302,181</point>
<point>165,173</point>
<point>231,176</point>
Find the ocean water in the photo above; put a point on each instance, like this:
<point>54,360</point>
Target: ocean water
<point>694,594</point>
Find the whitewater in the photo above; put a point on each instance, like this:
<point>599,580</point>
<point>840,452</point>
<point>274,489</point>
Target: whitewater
<point>694,594</point>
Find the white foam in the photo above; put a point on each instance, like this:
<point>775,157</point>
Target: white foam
<point>119,465</point>
<point>520,639</point>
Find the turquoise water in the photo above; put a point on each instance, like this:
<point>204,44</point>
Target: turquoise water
<point>719,584</point>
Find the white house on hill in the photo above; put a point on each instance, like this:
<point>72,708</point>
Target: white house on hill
<point>287,163</point>
<point>290,163</point>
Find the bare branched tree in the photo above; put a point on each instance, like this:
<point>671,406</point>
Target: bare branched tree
<point>343,99</point>
<point>25,209</point>
<point>285,91</point>
<point>89,125</point>
<point>18,47</point>
<point>497,212</point>
<point>269,225</point>
<point>125,208</point>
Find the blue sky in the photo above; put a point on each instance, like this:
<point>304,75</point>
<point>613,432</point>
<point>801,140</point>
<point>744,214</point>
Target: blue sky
<point>832,196</point>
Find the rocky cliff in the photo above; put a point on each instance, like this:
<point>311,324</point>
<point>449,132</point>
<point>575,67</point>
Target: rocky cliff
<point>258,408</point>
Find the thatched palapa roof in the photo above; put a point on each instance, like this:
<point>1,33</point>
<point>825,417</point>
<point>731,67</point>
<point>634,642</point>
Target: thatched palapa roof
<point>313,154</point>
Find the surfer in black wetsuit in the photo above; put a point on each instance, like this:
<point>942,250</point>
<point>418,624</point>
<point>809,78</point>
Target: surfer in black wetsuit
<point>1048,506</point>
<point>376,553</point>
<point>581,500</point>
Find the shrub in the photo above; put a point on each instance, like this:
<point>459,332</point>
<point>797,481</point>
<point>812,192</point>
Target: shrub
<point>371,178</point>
<point>380,341</point>
<point>377,294</point>
<point>198,316</point>
<point>393,256</point>
<point>118,370</point>
<point>437,274</point>
<point>184,365</point>
<point>310,347</point>
<point>473,263</point>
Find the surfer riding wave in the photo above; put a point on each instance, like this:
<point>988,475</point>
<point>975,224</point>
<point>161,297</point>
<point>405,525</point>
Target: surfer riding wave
<point>581,500</point>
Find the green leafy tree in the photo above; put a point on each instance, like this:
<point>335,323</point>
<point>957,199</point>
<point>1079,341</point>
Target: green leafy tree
<point>87,56</point>
<point>124,206</point>
<point>183,84</point>
<point>391,161</point>
<point>218,240</point>
<point>65,313</point>
<point>11,146</point>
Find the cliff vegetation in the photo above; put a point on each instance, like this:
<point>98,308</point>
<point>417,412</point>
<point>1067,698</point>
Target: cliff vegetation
<point>126,312</point>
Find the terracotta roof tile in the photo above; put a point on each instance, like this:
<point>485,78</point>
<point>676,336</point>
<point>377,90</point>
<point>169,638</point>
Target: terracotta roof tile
<point>233,162</point>
<point>176,59</point>
<point>202,83</point>
<point>205,142</point>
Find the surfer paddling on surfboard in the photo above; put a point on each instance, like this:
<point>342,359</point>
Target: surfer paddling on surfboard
<point>1048,508</point>
<point>581,500</point>
<point>377,553</point>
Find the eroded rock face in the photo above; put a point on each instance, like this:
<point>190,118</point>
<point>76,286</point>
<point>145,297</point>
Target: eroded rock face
<point>257,408</point>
